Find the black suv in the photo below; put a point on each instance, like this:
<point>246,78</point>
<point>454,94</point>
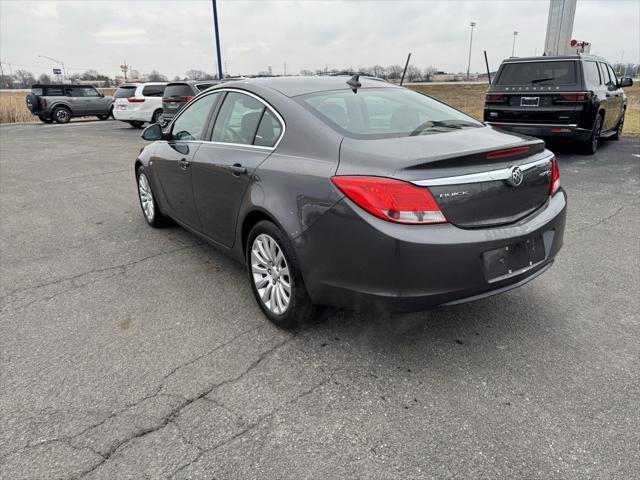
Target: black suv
<point>576,97</point>
<point>62,102</point>
<point>177,94</point>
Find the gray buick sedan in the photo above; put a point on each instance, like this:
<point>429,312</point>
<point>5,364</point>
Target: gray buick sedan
<point>354,192</point>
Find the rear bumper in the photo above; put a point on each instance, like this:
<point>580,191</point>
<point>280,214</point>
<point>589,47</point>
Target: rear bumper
<point>354,260</point>
<point>571,131</point>
<point>130,115</point>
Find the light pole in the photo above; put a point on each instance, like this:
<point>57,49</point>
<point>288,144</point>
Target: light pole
<point>57,61</point>
<point>472,24</point>
<point>513,48</point>
<point>215,28</point>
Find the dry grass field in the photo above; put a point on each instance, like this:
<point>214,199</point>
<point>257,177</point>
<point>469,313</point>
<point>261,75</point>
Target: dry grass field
<point>467,97</point>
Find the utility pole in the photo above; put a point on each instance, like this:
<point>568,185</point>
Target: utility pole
<point>125,68</point>
<point>217,33</point>
<point>472,25</point>
<point>513,48</point>
<point>285,69</point>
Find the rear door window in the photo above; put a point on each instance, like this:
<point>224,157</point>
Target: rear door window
<point>238,119</point>
<point>125,92</point>
<point>53,91</point>
<point>269,130</point>
<point>538,73</point>
<point>74,91</point>
<point>591,73</point>
<point>153,90</point>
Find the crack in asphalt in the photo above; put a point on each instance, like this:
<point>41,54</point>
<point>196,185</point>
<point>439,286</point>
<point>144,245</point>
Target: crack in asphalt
<point>188,401</point>
<point>262,419</point>
<point>599,222</point>
<point>120,270</point>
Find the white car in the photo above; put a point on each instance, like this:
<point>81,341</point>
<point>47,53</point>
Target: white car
<point>137,103</point>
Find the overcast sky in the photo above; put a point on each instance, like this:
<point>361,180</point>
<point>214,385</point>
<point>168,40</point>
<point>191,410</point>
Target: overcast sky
<point>174,36</point>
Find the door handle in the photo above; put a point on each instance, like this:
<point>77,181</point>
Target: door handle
<point>237,169</point>
<point>184,163</point>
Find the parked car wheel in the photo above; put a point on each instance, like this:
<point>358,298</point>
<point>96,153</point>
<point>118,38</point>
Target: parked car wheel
<point>103,117</point>
<point>44,119</point>
<point>619,128</point>
<point>135,124</point>
<point>591,145</point>
<point>157,117</point>
<point>152,213</point>
<point>62,115</point>
<point>275,277</point>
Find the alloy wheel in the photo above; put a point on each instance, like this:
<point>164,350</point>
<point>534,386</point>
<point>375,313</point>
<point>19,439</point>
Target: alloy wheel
<point>146,197</point>
<point>270,273</point>
<point>62,116</point>
<point>595,139</point>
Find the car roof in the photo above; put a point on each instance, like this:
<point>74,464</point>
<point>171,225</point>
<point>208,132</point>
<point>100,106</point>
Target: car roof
<point>294,86</point>
<point>57,85</point>
<point>549,58</point>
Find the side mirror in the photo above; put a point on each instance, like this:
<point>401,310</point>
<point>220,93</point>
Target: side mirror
<point>625,82</point>
<point>152,133</point>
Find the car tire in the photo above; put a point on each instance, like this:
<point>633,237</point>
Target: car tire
<point>33,105</point>
<point>147,199</point>
<point>619,127</point>
<point>104,117</point>
<point>135,124</point>
<point>591,144</point>
<point>274,273</point>
<point>111,112</point>
<point>44,119</point>
<point>157,117</point>
<point>61,115</point>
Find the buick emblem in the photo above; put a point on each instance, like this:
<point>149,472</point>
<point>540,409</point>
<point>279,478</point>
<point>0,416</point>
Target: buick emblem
<point>515,177</point>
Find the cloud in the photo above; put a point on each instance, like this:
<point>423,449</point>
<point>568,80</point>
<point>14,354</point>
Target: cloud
<point>174,36</point>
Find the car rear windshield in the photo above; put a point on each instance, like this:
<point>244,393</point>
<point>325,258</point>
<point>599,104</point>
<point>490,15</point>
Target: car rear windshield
<point>125,92</point>
<point>538,73</point>
<point>177,90</point>
<point>153,90</point>
<point>385,112</point>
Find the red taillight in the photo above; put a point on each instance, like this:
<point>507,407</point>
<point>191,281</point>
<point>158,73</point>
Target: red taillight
<point>392,200</point>
<point>555,177</point>
<point>187,98</point>
<point>135,99</point>
<point>508,152</point>
<point>495,98</point>
<point>574,97</point>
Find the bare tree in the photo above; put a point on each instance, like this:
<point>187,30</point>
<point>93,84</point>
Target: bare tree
<point>196,74</point>
<point>176,78</point>
<point>378,71</point>
<point>394,72</point>
<point>44,78</point>
<point>429,72</point>
<point>155,76</point>
<point>306,73</point>
<point>413,74</point>
<point>25,78</point>
<point>90,75</point>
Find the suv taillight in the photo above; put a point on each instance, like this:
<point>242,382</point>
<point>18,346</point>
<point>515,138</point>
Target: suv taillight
<point>495,98</point>
<point>390,199</point>
<point>573,97</point>
<point>186,98</point>
<point>135,99</point>
<point>555,177</point>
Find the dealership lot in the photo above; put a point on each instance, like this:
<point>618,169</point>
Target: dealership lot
<point>129,352</point>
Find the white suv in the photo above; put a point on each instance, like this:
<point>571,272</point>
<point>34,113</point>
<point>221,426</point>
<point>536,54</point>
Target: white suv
<point>137,103</point>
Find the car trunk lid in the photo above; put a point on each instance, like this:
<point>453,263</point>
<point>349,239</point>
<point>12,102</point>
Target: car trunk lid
<point>479,177</point>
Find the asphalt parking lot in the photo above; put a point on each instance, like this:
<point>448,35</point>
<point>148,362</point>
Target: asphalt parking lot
<point>129,352</point>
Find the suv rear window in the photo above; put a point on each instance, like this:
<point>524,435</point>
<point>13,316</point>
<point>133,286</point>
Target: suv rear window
<point>178,90</point>
<point>538,73</point>
<point>153,90</point>
<point>384,113</point>
<point>125,92</point>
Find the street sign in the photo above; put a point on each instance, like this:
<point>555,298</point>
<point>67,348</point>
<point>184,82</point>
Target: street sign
<point>57,71</point>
